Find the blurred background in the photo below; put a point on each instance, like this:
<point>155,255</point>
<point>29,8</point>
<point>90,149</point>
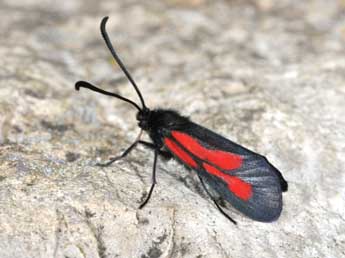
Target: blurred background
<point>266,74</point>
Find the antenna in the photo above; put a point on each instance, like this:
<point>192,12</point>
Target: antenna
<point>84,84</point>
<point>118,60</point>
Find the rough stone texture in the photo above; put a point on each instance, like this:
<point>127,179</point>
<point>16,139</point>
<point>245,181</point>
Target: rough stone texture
<point>267,74</point>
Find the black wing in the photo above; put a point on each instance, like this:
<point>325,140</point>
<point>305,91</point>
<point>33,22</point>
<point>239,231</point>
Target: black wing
<point>242,177</point>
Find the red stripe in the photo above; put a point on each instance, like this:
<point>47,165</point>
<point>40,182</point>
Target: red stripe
<point>180,153</point>
<point>221,159</point>
<point>240,188</point>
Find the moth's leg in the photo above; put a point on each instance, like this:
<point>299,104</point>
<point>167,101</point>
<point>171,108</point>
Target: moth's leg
<point>153,179</point>
<point>124,154</point>
<point>165,154</point>
<point>217,205</point>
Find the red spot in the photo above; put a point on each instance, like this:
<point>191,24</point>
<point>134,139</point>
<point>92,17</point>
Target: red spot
<point>184,156</point>
<point>240,188</point>
<point>221,159</point>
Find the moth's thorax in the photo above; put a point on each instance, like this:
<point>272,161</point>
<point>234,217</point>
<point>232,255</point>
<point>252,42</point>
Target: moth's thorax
<point>154,120</point>
<point>158,123</point>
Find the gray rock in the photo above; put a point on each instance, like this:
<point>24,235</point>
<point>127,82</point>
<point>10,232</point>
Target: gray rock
<point>267,75</point>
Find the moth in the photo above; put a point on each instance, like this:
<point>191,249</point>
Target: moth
<point>241,177</point>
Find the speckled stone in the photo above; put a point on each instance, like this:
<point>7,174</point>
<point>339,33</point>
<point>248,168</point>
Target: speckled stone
<point>266,74</point>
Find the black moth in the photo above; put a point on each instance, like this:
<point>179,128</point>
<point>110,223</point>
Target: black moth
<point>239,176</point>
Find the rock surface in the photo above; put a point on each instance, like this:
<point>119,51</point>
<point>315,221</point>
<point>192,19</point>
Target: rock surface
<point>267,74</point>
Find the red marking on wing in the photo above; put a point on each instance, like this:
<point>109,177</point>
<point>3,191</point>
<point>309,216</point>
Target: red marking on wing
<point>221,159</point>
<point>240,188</point>
<point>184,156</point>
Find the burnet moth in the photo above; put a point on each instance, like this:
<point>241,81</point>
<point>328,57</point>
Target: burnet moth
<point>239,176</point>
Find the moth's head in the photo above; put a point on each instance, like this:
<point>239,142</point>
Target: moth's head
<point>143,117</point>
